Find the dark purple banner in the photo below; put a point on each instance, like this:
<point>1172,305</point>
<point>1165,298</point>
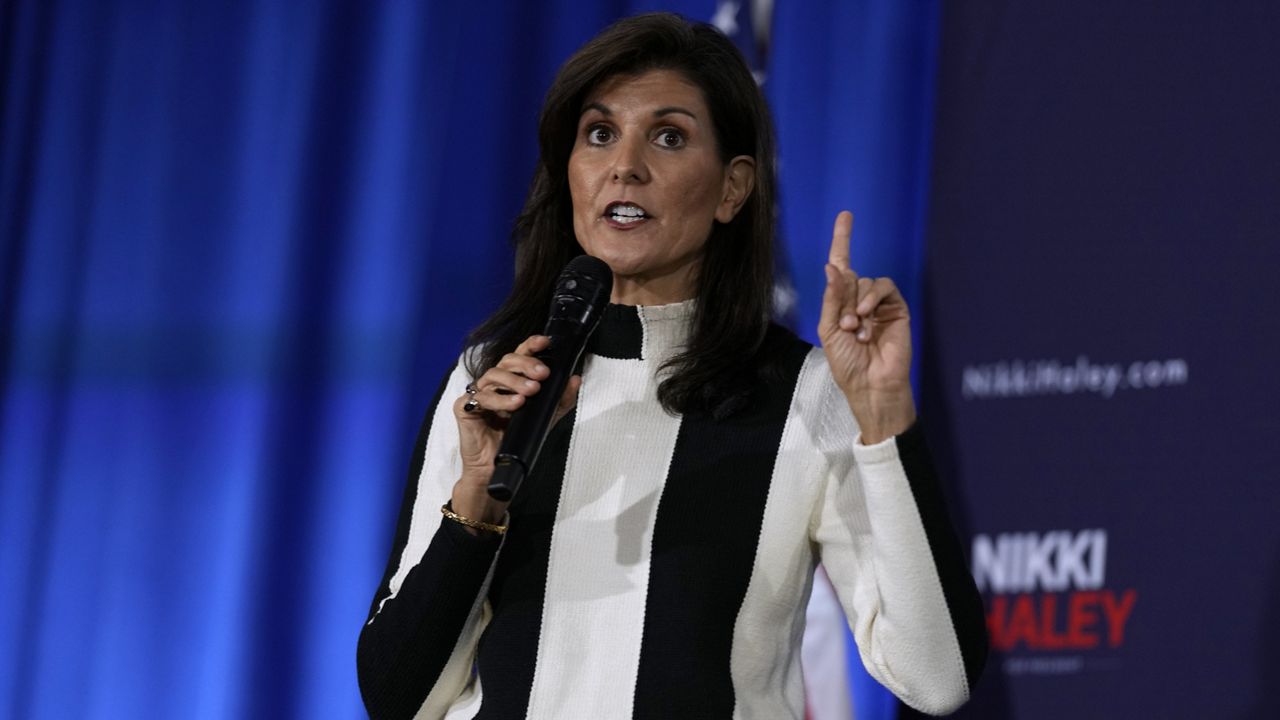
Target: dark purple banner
<point>1100,373</point>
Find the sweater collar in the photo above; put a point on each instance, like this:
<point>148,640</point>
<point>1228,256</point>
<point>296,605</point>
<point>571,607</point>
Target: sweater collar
<point>636,332</point>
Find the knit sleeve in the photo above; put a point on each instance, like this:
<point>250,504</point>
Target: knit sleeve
<point>416,649</point>
<point>886,542</point>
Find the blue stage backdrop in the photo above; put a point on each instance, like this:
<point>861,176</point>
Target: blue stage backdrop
<point>1100,359</point>
<point>240,242</point>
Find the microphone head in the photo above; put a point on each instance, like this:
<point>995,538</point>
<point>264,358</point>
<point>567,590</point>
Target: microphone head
<point>581,292</point>
<point>592,268</point>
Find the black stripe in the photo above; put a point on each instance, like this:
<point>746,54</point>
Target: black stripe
<point>619,334</point>
<point>508,649</point>
<point>961,593</point>
<point>402,652</point>
<point>704,547</point>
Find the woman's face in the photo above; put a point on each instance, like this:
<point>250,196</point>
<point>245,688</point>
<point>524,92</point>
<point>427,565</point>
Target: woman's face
<point>647,183</point>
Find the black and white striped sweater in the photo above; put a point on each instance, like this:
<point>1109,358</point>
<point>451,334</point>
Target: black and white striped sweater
<point>659,566</point>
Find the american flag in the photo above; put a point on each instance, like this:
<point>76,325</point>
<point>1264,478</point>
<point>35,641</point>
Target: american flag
<point>748,24</point>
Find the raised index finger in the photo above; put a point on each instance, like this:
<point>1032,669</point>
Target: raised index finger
<point>839,255</point>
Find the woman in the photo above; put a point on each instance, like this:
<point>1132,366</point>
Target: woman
<point>658,560</point>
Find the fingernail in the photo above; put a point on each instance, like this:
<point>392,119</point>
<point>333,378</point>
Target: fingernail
<point>863,334</point>
<point>529,383</point>
<point>848,322</point>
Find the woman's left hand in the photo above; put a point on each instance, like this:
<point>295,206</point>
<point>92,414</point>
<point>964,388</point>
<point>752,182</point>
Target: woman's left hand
<point>865,331</point>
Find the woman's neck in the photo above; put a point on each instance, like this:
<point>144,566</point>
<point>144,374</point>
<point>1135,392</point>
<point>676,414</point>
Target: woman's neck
<point>664,290</point>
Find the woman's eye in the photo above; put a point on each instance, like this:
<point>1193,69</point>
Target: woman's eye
<point>598,135</point>
<point>670,138</point>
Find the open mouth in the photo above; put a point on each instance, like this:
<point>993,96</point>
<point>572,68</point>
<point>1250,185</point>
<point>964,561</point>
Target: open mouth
<point>624,213</point>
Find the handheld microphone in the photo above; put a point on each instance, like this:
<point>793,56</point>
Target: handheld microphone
<point>581,293</point>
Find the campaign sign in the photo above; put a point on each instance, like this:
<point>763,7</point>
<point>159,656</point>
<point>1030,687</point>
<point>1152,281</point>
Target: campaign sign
<point>1099,379</point>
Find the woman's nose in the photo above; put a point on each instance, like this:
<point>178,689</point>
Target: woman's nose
<point>629,162</point>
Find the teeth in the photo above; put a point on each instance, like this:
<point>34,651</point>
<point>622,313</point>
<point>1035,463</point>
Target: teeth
<point>626,219</point>
<point>626,211</point>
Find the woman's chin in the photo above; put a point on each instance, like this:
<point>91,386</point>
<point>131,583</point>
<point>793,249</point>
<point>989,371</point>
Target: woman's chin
<point>622,265</point>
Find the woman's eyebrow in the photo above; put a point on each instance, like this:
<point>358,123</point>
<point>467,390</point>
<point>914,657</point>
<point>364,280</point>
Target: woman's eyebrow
<point>674,109</point>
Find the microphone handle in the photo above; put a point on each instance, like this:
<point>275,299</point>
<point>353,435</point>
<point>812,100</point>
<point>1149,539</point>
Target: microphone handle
<point>530,424</point>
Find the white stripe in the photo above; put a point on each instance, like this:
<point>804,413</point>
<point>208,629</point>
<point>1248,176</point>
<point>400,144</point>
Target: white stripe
<point>466,707</point>
<point>598,576</point>
<point>441,468</point>
<point>769,629</point>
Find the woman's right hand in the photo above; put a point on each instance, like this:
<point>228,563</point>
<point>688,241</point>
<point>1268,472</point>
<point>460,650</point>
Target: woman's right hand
<point>501,390</point>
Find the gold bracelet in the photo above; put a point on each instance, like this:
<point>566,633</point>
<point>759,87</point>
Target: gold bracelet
<point>444,510</point>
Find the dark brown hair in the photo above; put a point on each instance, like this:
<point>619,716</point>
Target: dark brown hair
<point>735,279</point>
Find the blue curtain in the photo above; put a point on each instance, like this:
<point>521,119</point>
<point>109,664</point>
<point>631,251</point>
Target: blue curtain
<point>240,242</point>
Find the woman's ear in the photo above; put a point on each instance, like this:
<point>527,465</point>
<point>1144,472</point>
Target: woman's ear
<point>739,181</point>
